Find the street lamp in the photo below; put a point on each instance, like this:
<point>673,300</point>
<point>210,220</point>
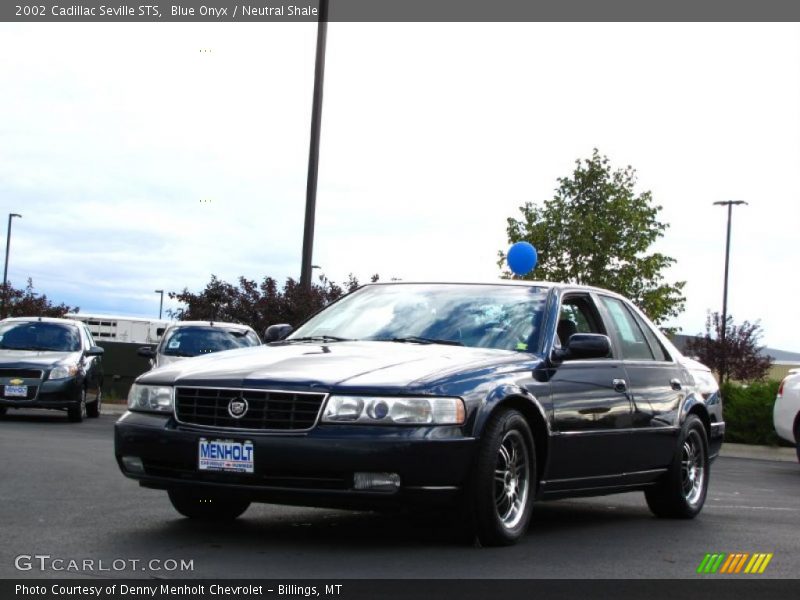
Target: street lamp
<point>730,204</point>
<point>160,304</point>
<point>313,151</point>
<point>5,270</point>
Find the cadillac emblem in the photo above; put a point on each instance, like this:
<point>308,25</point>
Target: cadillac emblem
<point>237,408</point>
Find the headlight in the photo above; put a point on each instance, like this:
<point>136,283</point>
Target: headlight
<point>63,371</point>
<point>376,410</point>
<point>150,398</point>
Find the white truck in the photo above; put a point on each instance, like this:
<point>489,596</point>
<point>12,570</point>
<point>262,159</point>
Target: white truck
<point>110,328</point>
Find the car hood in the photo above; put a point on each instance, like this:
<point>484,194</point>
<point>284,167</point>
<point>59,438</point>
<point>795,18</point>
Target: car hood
<point>35,359</point>
<point>359,364</point>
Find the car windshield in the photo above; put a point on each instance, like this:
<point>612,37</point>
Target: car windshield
<point>39,336</point>
<point>505,317</point>
<point>195,340</point>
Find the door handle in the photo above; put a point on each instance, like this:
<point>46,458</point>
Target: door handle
<point>675,384</point>
<point>620,385</point>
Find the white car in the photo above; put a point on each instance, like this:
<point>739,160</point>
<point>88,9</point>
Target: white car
<point>786,414</point>
<point>186,339</point>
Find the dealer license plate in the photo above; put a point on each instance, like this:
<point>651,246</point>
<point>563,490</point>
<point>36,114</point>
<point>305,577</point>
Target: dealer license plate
<point>16,391</point>
<point>225,455</point>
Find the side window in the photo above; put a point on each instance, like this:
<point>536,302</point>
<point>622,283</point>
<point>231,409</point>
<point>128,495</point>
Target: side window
<point>89,337</point>
<point>658,350</point>
<point>578,315</point>
<point>634,344</point>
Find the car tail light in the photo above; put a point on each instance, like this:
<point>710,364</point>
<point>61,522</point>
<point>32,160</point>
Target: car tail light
<point>780,387</point>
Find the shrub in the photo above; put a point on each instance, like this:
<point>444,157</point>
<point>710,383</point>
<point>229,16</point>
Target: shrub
<point>747,411</point>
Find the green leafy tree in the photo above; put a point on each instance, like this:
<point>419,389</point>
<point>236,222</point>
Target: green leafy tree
<point>596,230</point>
<point>259,305</point>
<point>25,302</point>
<point>740,357</point>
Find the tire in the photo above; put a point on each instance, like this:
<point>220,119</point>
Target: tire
<point>93,409</point>
<point>207,507</point>
<point>796,438</point>
<point>500,494</point>
<point>682,491</point>
<point>77,412</point>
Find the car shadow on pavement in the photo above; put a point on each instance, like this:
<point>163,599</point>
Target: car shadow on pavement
<point>261,527</point>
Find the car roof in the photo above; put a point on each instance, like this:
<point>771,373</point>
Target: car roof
<point>508,282</point>
<point>209,324</point>
<point>70,322</point>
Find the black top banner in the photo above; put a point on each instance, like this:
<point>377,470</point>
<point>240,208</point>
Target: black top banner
<point>402,10</point>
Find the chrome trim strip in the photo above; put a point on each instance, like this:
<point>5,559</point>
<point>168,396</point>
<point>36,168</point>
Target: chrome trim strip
<point>432,488</point>
<point>324,401</point>
<point>626,430</point>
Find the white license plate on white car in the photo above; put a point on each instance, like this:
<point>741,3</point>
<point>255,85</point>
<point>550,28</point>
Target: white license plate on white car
<point>225,455</point>
<point>16,391</point>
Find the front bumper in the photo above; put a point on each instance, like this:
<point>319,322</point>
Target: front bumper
<point>60,393</point>
<point>311,469</point>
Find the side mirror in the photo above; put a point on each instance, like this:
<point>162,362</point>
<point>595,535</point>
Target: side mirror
<point>146,352</point>
<point>274,333</point>
<point>585,345</point>
<point>95,351</point>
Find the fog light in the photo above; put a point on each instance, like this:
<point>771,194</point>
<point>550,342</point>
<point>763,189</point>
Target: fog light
<point>376,482</point>
<point>133,464</point>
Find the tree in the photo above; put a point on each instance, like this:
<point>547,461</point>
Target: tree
<point>27,303</point>
<point>597,230</point>
<point>259,305</point>
<point>739,357</point>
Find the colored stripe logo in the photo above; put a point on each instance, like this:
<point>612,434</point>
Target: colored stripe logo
<point>734,563</point>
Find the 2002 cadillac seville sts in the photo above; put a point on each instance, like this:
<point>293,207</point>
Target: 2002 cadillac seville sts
<point>485,397</point>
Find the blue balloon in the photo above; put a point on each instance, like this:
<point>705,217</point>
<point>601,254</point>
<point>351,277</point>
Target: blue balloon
<point>522,258</point>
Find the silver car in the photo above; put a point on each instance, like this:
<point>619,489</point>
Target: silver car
<point>186,339</point>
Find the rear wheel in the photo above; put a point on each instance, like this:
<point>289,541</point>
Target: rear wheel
<point>797,438</point>
<point>207,507</point>
<point>500,495</point>
<point>77,412</point>
<point>682,491</point>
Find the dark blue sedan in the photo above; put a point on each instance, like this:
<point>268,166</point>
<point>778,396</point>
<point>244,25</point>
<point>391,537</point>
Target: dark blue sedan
<point>480,397</point>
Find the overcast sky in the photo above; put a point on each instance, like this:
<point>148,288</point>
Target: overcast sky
<point>140,162</point>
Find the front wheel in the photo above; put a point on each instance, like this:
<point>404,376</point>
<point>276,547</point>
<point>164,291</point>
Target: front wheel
<point>682,491</point>
<point>501,492</point>
<point>77,412</point>
<point>93,409</point>
<point>207,507</point>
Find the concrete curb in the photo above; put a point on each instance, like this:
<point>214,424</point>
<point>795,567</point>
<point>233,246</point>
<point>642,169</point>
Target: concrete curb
<point>758,452</point>
<point>728,450</point>
<point>113,409</point>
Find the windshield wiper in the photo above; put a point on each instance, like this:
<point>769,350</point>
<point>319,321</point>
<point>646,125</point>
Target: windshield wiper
<point>319,338</point>
<point>416,339</point>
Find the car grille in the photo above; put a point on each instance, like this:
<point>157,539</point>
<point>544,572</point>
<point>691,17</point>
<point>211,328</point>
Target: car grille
<point>22,373</point>
<point>269,410</point>
<point>32,389</point>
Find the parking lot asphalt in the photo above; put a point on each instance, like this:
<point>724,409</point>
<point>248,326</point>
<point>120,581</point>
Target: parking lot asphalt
<point>62,495</point>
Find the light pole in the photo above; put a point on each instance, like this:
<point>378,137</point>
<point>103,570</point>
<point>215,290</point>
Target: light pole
<point>313,151</point>
<point>730,204</point>
<point>5,270</point>
<point>160,304</point>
